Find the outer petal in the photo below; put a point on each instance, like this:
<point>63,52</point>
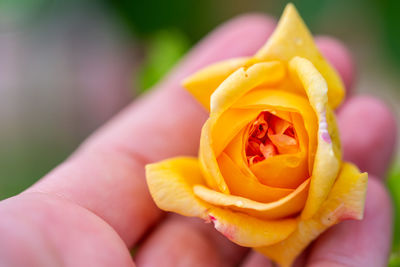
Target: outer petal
<point>171,185</point>
<point>345,201</point>
<point>249,231</point>
<point>284,207</point>
<point>242,81</point>
<point>327,157</point>
<point>292,38</point>
<point>204,82</point>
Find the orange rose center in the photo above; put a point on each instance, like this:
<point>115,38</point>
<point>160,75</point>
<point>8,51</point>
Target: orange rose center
<point>270,135</point>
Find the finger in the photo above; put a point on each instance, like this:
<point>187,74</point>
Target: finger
<point>106,175</point>
<point>358,243</point>
<point>188,242</point>
<point>255,259</point>
<point>340,57</point>
<point>42,230</point>
<point>368,134</point>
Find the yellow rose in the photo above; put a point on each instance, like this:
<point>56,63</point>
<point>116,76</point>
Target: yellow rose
<point>269,173</point>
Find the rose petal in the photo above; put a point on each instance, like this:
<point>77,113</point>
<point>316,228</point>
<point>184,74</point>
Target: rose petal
<point>208,160</point>
<point>249,231</point>
<point>204,82</point>
<point>327,157</point>
<point>243,80</point>
<point>284,207</point>
<point>279,126</point>
<point>345,201</point>
<point>171,185</point>
<point>284,171</point>
<point>285,144</point>
<point>248,186</point>
<point>292,38</point>
<point>268,150</point>
<point>235,150</point>
<point>302,136</point>
<point>229,124</point>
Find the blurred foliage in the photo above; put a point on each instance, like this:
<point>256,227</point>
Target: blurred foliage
<point>196,18</point>
<point>389,11</point>
<point>154,23</point>
<point>146,17</point>
<point>164,49</point>
<point>21,13</point>
<point>393,183</point>
<point>394,261</point>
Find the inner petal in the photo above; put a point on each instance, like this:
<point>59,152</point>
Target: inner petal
<point>283,170</point>
<point>270,135</point>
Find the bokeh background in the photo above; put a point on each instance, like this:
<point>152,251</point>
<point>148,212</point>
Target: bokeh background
<point>68,66</point>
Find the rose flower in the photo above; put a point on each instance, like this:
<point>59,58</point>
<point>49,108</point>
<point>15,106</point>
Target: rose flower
<point>269,173</point>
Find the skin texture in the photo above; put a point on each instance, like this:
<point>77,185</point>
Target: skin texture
<point>95,206</point>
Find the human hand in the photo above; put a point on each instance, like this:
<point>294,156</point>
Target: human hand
<point>95,206</point>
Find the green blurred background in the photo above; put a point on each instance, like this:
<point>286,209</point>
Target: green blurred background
<point>68,66</point>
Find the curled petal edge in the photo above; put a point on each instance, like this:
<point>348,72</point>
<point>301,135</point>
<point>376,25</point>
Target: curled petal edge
<point>204,82</point>
<point>284,207</point>
<point>327,158</point>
